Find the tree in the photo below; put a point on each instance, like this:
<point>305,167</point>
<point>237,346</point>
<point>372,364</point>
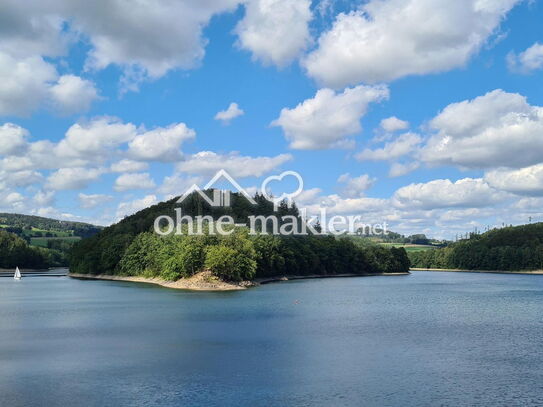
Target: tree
<point>15,252</point>
<point>187,260</point>
<point>229,264</point>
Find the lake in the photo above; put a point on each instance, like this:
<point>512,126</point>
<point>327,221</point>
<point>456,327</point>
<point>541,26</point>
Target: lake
<point>427,339</point>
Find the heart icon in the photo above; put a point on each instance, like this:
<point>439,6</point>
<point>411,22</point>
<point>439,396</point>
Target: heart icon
<point>288,197</point>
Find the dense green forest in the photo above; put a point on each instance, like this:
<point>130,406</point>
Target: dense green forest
<point>15,252</point>
<point>509,249</point>
<point>132,248</point>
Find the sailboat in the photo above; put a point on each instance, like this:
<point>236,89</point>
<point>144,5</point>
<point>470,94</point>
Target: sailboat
<point>17,275</point>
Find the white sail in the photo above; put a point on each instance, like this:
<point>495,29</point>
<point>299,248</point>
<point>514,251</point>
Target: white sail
<point>17,275</point>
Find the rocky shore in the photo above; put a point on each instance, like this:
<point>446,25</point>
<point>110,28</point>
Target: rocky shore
<point>206,281</point>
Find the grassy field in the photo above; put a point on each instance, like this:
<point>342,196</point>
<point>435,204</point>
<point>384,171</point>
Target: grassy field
<point>42,241</point>
<point>38,238</point>
<point>35,232</point>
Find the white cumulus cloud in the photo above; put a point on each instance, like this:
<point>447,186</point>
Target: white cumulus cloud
<point>527,61</point>
<point>93,200</point>
<point>127,182</point>
<point>129,166</point>
<point>392,124</point>
<point>73,178</point>
<point>387,39</point>
<point>494,130</point>
<point>328,119</point>
<point>229,114</point>
<point>27,83</point>
<point>161,144</point>
<point>44,198</point>
<point>400,169</point>
<point>24,84</point>
<point>357,186</point>
<point>72,94</point>
<point>21,178</point>
<point>96,137</point>
<point>13,139</point>
<point>10,200</point>
<point>524,181</point>
<point>402,145</point>
<point>131,207</point>
<point>145,38</point>
<point>209,162</point>
<point>275,31</point>
<point>443,193</point>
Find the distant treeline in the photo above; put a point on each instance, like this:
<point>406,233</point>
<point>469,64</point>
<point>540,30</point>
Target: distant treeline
<point>17,224</point>
<point>393,237</point>
<point>132,248</point>
<point>511,248</point>
<point>15,252</point>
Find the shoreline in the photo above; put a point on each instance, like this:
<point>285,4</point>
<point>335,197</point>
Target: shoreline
<point>30,270</point>
<point>205,281</point>
<point>278,279</point>
<point>525,272</point>
<point>199,282</point>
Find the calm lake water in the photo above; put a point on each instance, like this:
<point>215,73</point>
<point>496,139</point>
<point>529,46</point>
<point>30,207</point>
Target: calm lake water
<point>428,339</point>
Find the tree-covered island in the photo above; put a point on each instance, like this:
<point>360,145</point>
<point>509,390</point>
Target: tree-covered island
<point>132,248</point>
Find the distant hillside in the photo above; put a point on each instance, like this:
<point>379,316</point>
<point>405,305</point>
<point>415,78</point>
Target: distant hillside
<point>509,249</point>
<point>66,228</point>
<point>397,238</point>
<point>15,252</point>
<point>47,242</point>
<point>131,248</point>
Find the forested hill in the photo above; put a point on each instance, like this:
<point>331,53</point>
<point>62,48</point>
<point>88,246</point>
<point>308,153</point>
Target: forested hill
<point>510,248</point>
<point>132,248</point>
<point>37,242</point>
<point>15,252</point>
<point>16,222</point>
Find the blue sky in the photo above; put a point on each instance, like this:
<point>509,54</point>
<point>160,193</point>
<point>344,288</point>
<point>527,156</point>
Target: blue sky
<point>86,87</point>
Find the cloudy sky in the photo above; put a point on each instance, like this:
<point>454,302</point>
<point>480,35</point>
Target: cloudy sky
<point>427,114</point>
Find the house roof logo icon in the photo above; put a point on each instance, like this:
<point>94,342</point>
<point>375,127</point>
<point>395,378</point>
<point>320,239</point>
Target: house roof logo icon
<point>220,197</point>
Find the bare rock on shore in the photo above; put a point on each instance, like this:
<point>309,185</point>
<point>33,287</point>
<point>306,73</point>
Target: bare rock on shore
<point>203,281</point>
